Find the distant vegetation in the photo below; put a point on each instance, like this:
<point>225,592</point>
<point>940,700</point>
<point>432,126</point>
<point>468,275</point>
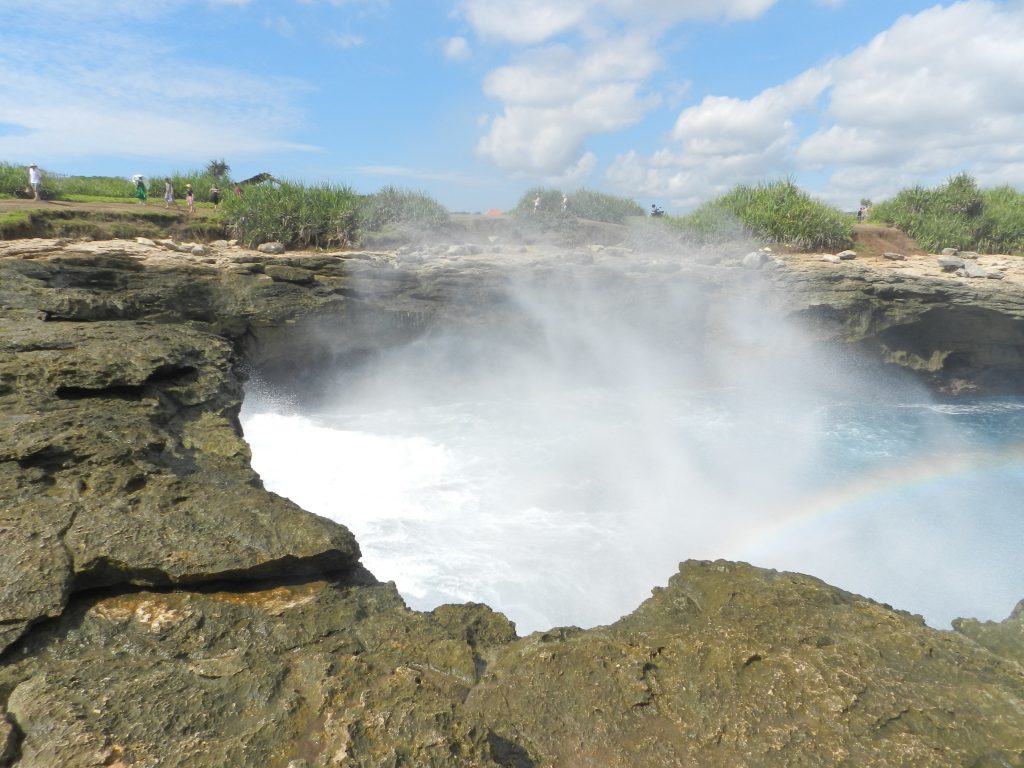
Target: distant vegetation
<point>957,214</point>
<point>294,214</point>
<point>582,203</point>
<point>325,216</point>
<point>775,212</point>
<point>393,206</point>
<point>298,215</point>
<point>55,186</point>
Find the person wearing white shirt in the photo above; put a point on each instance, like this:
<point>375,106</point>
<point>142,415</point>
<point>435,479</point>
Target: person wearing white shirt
<point>35,178</point>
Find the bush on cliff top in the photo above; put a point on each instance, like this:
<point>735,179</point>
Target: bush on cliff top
<point>324,216</point>
<point>957,214</point>
<point>775,212</point>
<point>392,205</point>
<point>583,203</point>
<point>321,216</point>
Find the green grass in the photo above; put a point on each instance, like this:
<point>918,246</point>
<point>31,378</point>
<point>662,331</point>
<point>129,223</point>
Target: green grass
<point>957,214</point>
<point>776,212</point>
<point>297,215</point>
<point>106,187</point>
<point>402,207</point>
<point>582,203</point>
<point>324,216</point>
<point>55,186</point>
<point>15,224</point>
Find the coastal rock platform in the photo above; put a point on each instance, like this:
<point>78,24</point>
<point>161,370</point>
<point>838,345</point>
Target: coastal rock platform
<point>158,607</point>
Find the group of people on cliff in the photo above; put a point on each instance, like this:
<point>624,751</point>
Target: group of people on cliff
<point>169,199</point>
<point>35,181</point>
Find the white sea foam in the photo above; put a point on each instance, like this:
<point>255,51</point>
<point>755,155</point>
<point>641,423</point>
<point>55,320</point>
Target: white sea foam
<point>570,515</point>
<point>559,464</point>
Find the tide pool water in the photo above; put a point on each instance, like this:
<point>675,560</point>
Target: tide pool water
<point>567,505</point>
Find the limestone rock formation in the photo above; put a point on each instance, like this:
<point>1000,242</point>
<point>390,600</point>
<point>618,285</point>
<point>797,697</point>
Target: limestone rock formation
<point>159,608</point>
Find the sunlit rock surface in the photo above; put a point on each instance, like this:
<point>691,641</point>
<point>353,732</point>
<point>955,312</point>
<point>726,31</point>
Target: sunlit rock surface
<point>159,608</point>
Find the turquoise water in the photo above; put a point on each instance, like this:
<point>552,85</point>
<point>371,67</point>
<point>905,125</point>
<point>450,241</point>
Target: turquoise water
<point>568,508</point>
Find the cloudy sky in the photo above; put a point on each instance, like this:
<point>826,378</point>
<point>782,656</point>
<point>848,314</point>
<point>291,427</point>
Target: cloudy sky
<point>474,101</point>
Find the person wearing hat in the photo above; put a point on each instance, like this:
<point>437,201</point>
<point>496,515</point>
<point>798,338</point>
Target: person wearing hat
<point>35,178</point>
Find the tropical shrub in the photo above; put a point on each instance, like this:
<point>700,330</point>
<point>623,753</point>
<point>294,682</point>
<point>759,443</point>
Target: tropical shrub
<point>297,215</point>
<point>602,207</point>
<point>957,214</point>
<point>14,182</point>
<point>547,204</point>
<point>392,205</point>
<point>776,212</point>
<point>92,186</point>
<point>13,179</point>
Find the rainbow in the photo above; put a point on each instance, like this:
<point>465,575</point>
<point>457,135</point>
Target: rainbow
<point>922,476</point>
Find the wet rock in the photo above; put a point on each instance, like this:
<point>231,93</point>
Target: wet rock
<point>755,260</point>
<point>891,256</point>
<point>467,249</point>
<point>846,255</point>
<point>285,274</point>
<point>271,248</point>
<point>341,672</point>
<point>950,263</point>
<point>971,269</point>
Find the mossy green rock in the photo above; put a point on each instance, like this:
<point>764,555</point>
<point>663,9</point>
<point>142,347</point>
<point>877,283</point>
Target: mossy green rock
<point>159,608</point>
<point>728,665</point>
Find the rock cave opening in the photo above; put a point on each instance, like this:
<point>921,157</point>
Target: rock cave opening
<point>553,446</point>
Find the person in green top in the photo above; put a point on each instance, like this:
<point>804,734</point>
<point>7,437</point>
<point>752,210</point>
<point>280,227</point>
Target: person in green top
<point>140,188</point>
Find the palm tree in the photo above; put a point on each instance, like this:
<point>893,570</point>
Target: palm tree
<point>218,169</point>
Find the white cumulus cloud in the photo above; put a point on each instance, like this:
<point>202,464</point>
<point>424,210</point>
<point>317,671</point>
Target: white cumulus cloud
<point>534,21</point>
<point>555,98</point>
<point>938,92</point>
<point>581,70</point>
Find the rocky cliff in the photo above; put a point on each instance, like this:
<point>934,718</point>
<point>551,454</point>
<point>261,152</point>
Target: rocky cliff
<point>159,608</point>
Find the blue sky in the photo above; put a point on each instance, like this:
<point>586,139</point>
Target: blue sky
<point>474,101</point>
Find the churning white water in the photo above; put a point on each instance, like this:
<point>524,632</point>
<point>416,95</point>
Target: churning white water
<point>559,478</point>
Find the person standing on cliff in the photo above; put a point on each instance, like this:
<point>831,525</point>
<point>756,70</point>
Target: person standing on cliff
<point>140,188</point>
<point>169,193</point>
<point>190,198</point>
<point>35,179</point>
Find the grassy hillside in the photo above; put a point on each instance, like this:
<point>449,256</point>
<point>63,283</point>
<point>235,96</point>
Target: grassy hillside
<point>775,212</point>
<point>957,214</point>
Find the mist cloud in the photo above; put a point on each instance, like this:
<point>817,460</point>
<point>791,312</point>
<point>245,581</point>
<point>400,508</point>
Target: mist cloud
<point>556,452</point>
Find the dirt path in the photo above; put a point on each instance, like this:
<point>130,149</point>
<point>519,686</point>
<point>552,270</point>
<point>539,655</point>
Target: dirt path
<point>873,241</point>
<point>126,207</point>
<point>879,239</point>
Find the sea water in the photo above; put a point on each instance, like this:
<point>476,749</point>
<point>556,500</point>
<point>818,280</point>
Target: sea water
<point>567,504</point>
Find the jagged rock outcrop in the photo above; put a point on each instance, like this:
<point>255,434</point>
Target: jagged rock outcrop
<point>955,334</point>
<point>727,665</point>
<point>159,608</point>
